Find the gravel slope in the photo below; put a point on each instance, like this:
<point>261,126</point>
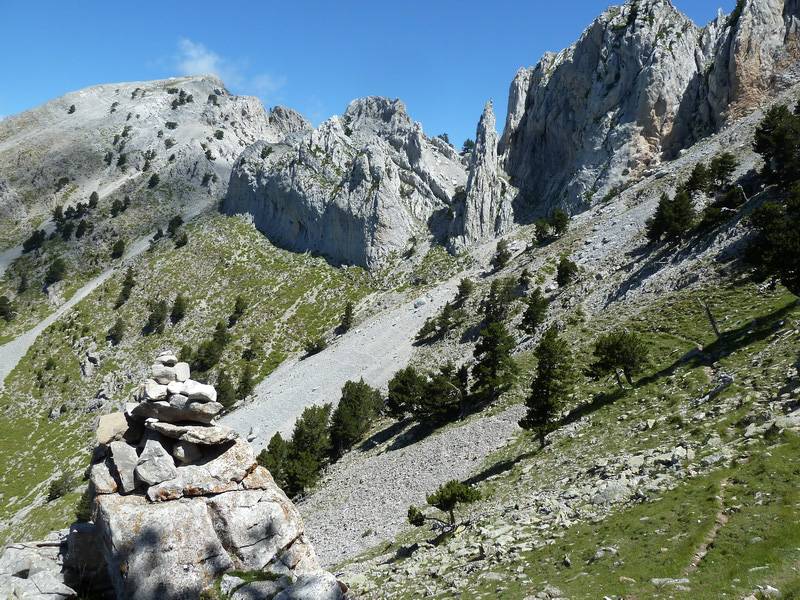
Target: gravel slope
<point>373,350</point>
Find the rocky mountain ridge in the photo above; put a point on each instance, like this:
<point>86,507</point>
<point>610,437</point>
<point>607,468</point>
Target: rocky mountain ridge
<point>642,83</point>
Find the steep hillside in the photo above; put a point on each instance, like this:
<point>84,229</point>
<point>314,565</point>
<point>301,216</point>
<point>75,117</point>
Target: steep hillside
<point>120,161</point>
<point>74,372</point>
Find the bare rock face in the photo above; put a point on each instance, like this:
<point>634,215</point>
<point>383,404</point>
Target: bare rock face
<point>356,189</point>
<point>642,83</point>
<point>486,210</point>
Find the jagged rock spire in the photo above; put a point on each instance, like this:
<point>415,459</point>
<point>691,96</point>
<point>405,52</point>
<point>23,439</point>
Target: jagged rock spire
<point>486,209</point>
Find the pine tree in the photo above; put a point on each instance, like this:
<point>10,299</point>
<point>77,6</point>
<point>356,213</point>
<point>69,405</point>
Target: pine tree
<point>566,271</point>
<point>721,170</point>
<point>127,285</point>
<point>617,351</point>
<point>82,229</point>
<point>347,317</point>
<point>158,314</point>
<point>246,382</point>
<point>495,369</point>
<point>357,408</point>
<point>93,200</point>
<point>777,140</point>
<point>465,288</point>
<point>406,388</point>
<point>310,448</point>
<point>535,310</point>
<point>178,309</point>
<point>498,302</point>
<point>673,219</point>
<point>118,249</point>
<point>239,306</point>
<point>776,249</point>
<point>559,221</point>
<point>551,385</point>
<point>442,397</point>
<point>6,309</point>
<point>174,225</point>
<point>502,255</point>
<point>700,179</point>
<point>117,331</point>
<point>55,272</point>
<point>542,231</point>
<point>275,458</point>
<point>226,395</point>
<point>447,498</point>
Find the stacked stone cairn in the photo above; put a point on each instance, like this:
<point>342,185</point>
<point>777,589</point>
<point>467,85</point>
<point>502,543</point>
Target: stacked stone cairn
<point>178,501</point>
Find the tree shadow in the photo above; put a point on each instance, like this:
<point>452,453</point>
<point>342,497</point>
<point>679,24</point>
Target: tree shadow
<point>597,402</point>
<point>500,467</point>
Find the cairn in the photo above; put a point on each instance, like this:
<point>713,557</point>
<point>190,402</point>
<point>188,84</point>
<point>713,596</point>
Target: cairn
<point>177,501</point>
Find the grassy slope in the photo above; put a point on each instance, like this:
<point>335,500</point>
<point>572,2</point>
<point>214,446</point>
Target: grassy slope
<point>759,346</point>
<point>291,297</point>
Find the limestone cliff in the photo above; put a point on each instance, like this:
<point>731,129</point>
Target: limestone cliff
<point>355,189</point>
<point>640,84</point>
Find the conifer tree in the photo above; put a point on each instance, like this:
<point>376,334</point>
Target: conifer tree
<point>357,408</point>
<point>551,385</point>
<point>535,310</point>
<point>494,370</point>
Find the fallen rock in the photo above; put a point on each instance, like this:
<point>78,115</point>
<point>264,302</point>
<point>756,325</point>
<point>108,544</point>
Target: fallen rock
<point>102,480</point>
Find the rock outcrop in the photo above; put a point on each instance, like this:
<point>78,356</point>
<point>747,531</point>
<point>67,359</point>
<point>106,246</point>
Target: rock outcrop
<point>356,189</point>
<point>177,501</point>
<point>486,210</point>
<point>642,83</point>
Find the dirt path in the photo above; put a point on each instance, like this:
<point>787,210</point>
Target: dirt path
<point>12,352</point>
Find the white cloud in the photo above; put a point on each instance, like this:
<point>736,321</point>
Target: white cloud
<point>195,58</point>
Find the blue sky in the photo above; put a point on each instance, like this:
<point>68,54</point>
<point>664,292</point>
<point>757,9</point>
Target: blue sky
<point>444,58</point>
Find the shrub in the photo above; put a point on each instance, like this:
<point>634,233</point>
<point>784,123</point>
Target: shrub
<point>446,499</point>
<point>171,125</point>
<point>265,152</point>
<point>118,249</point>
<point>71,109</point>
<point>468,146</point>
<point>502,255</point>
<point>173,225</point>
<point>56,271</point>
<point>153,181</point>
<point>181,239</point>
<point>59,487</point>
<point>357,408</point>
<point>566,271</point>
<point>219,134</point>
<point>94,198</point>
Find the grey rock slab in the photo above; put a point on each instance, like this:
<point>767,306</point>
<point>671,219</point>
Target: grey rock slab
<point>151,391</point>
<point>313,586</point>
<point>167,359</point>
<point>202,392</point>
<point>125,459</point>
<point>178,409</point>
<point>102,478</point>
<point>260,590</point>
<point>209,435</point>
<point>182,371</point>
<point>162,550</point>
<point>155,464</point>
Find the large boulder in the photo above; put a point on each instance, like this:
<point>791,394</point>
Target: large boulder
<point>210,435</point>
